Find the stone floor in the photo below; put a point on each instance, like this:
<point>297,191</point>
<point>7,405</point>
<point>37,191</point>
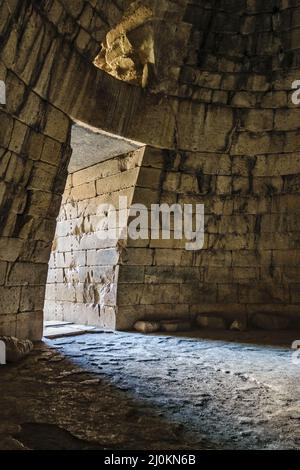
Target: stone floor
<point>128,391</point>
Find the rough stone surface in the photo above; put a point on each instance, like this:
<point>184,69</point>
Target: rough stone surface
<point>238,326</point>
<point>84,268</point>
<point>217,80</point>
<point>270,322</point>
<point>129,391</point>
<point>174,326</point>
<point>236,275</point>
<point>91,147</point>
<point>147,326</point>
<point>215,323</point>
<point>132,50</point>
<point>16,349</point>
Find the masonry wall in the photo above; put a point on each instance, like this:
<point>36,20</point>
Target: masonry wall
<point>35,39</point>
<point>83,270</point>
<point>248,264</point>
<point>34,154</point>
<point>225,96</point>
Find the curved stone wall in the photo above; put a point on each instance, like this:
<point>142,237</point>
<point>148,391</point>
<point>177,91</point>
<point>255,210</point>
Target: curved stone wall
<point>228,116</point>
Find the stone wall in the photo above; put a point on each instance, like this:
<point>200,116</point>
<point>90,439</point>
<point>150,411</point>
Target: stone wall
<point>248,264</point>
<point>226,106</point>
<point>34,147</point>
<point>34,154</point>
<point>84,268</point>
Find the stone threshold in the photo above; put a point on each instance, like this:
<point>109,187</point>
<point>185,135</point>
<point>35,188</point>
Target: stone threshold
<point>58,329</point>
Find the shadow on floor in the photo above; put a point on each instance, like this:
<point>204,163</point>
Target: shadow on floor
<point>127,391</point>
<point>282,338</point>
<point>54,402</point>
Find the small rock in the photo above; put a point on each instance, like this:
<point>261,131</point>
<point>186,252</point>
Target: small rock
<point>16,349</point>
<point>238,325</point>
<point>90,382</point>
<point>270,322</point>
<point>175,325</point>
<point>10,443</point>
<point>214,323</point>
<point>147,326</point>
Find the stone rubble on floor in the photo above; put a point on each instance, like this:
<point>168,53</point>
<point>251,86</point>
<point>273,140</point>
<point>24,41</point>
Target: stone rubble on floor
<point>16,349</point>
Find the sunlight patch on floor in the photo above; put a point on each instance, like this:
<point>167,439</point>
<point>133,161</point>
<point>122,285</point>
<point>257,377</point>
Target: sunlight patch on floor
<point>57,329</point>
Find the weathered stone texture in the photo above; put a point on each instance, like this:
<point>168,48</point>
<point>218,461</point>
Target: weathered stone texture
<point>217,80</point>
<point>34,149</point>
<point>83,271</point>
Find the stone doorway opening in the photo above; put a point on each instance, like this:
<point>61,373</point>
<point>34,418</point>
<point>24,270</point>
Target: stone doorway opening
<point>83,269</point>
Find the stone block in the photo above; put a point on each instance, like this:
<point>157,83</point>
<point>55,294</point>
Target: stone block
<point>16,349</point>
<point>173,326</point>
<point>250,143</point>
<point>245,274</point>
<point>210,322</point>
<point>224,185</point>
<point>32,299</point>
<point>84,191</point>
<point>153,157</point>
<point>171,181</point>
<point>129,296</point>
<point>30,325</point>
<point>117,182</point>
<point>166,293</point>
<point>270,322</point>
<point>172,275</point>
<point>9,300</point>
<point>68,259</point>
<point>61,292</point>
<point>43,177</point>
<point>10,249</point>
<point>263,293</point>
<point>57,124</point>
<point>109,257</point>
<point>147,326</point>
<point>275,99</point>
<point>50,150</point>
<point>6,129</point>
<point>32,111</point>
<point>215,275</point>
<point>149,178</point>
<point>18,137</point>
<point>137,257</point>
<point>131,274</point>
<point>202,131</point>
<point>55,275</point>
<point>165,257</point>
<point>197,293</point>
<point>227,292</point>
<point>209,163</point>
<point>277,165</point>
<point>145,196</point>
<point>3,268</point>
<point>257,120</point>
<point>238,325</point>
<point>27,274</point>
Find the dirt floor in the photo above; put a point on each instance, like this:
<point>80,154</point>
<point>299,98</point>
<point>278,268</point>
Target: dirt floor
<point>120,391</point>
